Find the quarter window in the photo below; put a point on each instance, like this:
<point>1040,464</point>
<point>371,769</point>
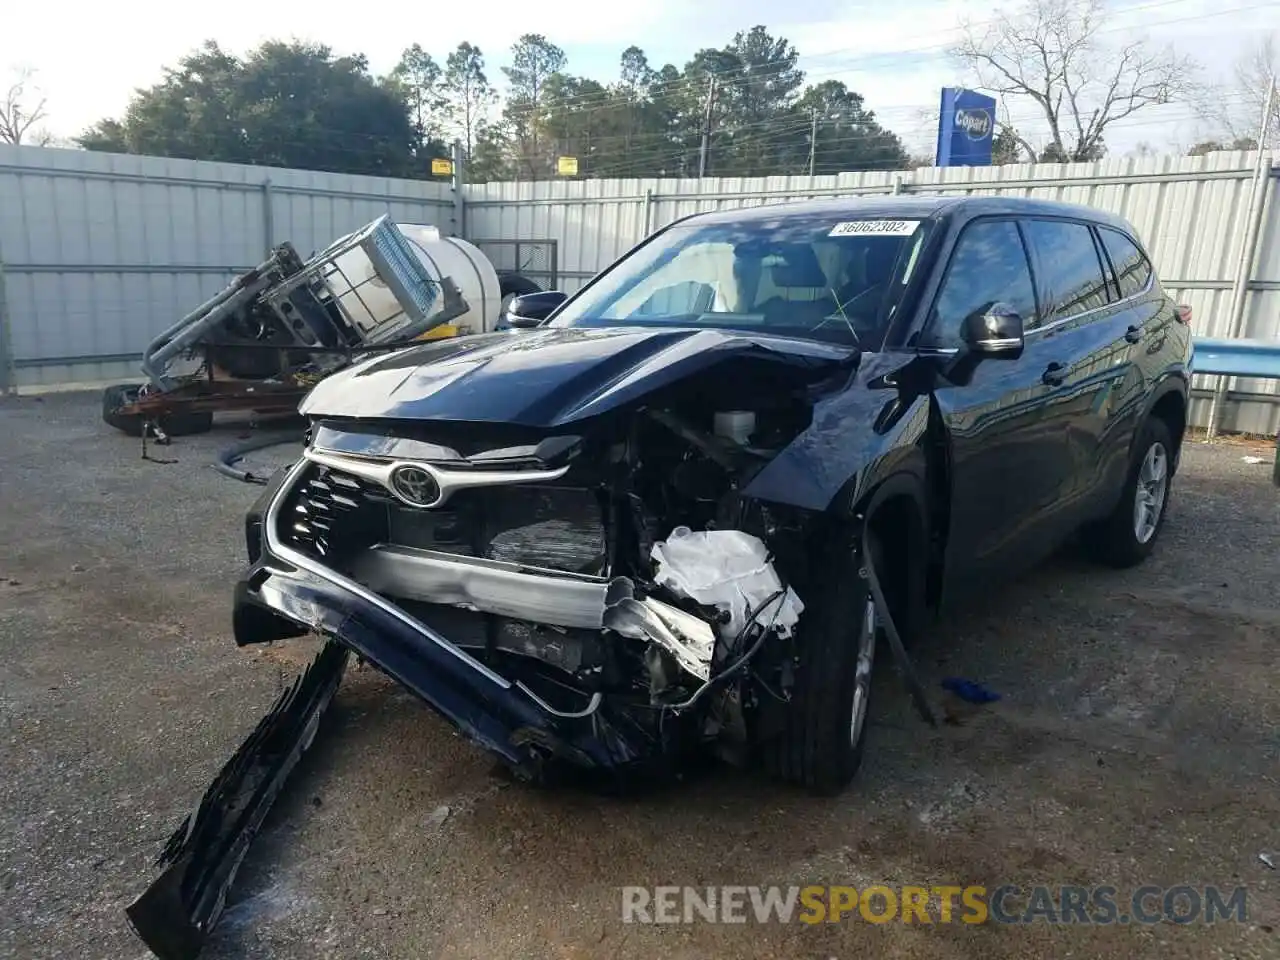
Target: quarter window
<point>1068,270</point>
<point>989,266</point>
<point>1133,269</point>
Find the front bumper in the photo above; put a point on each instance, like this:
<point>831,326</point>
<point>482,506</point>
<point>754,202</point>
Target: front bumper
<point>286,592</point>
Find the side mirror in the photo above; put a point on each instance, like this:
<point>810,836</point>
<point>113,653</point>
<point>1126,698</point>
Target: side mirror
<point>996,333</point>
<point>532,308</point>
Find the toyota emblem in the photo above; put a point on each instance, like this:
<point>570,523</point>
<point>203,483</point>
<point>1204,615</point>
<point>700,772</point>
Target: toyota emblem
<point>415,485</point>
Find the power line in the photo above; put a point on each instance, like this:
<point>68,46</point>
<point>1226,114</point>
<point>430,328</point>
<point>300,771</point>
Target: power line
<point>603,164</point>
<point>782,130</point>
<point>730,77</point>
<point>726,79</point>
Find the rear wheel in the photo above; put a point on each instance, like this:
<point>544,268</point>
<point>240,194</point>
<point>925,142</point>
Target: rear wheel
<point>174,424</point>
<point>1128,535</point>
<point>819,735</point>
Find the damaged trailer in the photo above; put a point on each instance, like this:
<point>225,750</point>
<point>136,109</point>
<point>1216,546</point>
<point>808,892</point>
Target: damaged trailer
<point>262,341</point>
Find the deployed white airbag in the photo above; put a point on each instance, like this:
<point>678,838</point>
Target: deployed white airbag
<point>728,570</point>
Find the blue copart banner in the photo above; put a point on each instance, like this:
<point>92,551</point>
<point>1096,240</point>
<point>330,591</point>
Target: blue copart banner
<point>966,126</point>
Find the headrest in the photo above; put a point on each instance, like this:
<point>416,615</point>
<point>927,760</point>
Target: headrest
<point>795,266</point>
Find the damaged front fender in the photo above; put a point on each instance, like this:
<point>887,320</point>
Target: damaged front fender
<point>858,437</point>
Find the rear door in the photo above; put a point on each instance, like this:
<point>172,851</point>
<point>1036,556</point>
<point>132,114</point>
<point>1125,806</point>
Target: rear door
<point>1086,328</point>
<point>1150,318</point>
<point>1007,458</point>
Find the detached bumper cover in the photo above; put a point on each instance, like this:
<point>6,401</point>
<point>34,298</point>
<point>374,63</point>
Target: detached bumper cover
<point>505,717</point>
<point>175,914</point>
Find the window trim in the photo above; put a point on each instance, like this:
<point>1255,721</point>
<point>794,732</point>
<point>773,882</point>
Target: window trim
<point>1145,291</point>
<point>1095,227</point>
<point>1151,267</point>
<point>1104,266</point>
<point>1108,268</point>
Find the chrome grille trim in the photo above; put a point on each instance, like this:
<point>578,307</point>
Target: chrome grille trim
<point>449,481</point>
<point>303,562</point>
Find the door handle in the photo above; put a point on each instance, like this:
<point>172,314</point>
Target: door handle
<point>1133,334</point>
<point>1054,374</point>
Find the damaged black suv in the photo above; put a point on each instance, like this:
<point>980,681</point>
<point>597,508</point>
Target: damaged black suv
<point>648,522</point>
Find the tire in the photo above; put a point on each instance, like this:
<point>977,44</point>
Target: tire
<point>817,739</point>
<point>1128,535</point>
<point>174,424</point>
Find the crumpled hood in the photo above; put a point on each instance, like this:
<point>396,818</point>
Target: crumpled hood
<point>543,377</point>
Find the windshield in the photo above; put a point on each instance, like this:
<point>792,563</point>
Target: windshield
<point>816,277</point>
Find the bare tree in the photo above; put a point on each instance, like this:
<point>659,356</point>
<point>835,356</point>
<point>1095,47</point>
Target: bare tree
<point>21,108</point>
<point>1049,52</point>
<point>1232,110</point>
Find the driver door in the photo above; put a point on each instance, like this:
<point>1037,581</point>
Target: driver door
<point>1009,462</point>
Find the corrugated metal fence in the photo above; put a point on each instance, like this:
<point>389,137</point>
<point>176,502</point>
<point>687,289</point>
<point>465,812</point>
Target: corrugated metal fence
<point>1190,211</point>
<point>100,252</point>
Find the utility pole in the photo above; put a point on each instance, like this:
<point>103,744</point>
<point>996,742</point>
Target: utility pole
<point>1237,314</point>
<point>459,189</point>
<point>813,138</point>
<point>706,128</point>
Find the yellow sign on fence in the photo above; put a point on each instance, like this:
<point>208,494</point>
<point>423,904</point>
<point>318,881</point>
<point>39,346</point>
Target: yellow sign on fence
<point>567,166</point>
<point>442,168</point>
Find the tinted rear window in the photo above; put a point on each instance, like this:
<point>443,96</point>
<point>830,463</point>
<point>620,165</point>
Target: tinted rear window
<point>1069,272</point>
<point>1133,269</point>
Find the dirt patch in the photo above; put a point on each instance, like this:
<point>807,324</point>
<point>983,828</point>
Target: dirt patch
<point>1136,742</point>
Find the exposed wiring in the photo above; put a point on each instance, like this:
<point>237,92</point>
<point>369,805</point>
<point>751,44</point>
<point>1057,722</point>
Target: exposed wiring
<point>753,619</point>
<point>764,685</point>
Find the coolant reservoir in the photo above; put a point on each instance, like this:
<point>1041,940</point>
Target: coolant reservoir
<point>735,425</point>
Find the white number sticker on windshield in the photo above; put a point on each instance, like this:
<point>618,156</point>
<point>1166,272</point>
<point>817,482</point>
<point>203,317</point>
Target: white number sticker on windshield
<point>875,228</point>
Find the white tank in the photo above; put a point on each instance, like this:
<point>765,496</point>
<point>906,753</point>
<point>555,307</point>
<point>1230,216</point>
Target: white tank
<point>371,305</point>
<point>470,269</point>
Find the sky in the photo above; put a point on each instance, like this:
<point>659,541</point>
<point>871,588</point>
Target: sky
<point>893,54</point>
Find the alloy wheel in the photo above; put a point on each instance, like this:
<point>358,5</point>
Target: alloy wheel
<point>1150,492</point>
<point>862,674</point>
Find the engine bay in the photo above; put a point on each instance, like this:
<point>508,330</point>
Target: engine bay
<point>638,573</point>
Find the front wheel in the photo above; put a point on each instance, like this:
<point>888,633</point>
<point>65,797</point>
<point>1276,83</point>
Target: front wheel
<point>1128,535</point>
<point>818,737</point>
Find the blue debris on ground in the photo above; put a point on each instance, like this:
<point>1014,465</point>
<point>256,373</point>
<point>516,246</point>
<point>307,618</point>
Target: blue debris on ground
<point>970,691</point>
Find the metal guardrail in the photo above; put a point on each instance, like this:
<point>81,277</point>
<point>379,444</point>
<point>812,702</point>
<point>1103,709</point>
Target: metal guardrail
<point>1240,358</point>
<point>1237,358</point>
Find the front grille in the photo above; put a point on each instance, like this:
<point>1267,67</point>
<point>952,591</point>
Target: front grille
<point>334,515</point>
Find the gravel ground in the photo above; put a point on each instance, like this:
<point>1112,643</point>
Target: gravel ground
<point>1136,743</point>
